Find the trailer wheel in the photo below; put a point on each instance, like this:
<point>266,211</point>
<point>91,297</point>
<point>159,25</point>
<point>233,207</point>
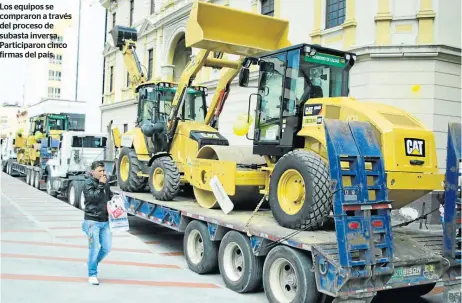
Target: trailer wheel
<point>28,171</point>
<point>37,178</point>
<point>287,277</point>
<point>406,293</point>
<point>164,179</point>
<point>201,253</point>
<point>49,184</point>
<point>127,169</point>
<point>74,192</point>
<point>300,180</point>
<point>240,269</point>
<point>32,177</point>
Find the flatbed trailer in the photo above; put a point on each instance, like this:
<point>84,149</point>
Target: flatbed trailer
<point>354,259</point>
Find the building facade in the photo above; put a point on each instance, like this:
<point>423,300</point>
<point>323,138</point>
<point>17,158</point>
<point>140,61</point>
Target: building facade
<point>409,53</point>
<point>74,74</point>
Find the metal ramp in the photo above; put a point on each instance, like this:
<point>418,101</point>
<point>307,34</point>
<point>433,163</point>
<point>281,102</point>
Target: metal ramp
<point>452,214</point>
<point>452,205</point>
<point>364,252</point>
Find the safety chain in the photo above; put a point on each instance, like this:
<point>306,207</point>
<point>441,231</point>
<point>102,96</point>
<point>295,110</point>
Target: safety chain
<point>246,227</point>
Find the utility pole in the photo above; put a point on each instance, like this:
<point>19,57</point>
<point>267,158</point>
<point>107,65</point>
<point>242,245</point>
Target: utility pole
<point>78,53</point>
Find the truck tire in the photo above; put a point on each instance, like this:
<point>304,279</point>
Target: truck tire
<point>240,269</point>
<point>200,252</point>
<point>37,178</point>
<point>28,173</point>
<point>164,179</point>
<point>299,194</point>
<point>127,169</point>
<point>73,193</point>
<point>49,184</point>
<point>287,277</point>
<point>411,293</point>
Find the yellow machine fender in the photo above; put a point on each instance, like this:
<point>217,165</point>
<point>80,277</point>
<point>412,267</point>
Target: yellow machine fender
<point>231,165</point>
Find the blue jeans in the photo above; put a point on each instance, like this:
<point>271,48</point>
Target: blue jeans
<point>99,243</point>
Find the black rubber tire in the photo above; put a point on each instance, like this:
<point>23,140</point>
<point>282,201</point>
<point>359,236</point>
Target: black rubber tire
<point>77,187</point>
<point>133,183</point>
<point>171,179</point>
<point>315,173</point>
<point>52,193</point>
<point>251,280</point>
<point>406,293</point>
<point>209,260</point>
<point>37,178</point>
<point>306,291</point>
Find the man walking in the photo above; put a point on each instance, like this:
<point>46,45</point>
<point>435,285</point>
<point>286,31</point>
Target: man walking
<point>96,220</point>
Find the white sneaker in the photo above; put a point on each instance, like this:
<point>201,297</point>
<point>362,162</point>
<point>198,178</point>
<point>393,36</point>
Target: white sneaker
<point>93,280</point>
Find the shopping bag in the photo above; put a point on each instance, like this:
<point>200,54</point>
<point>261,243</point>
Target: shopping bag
<point>118,217</point>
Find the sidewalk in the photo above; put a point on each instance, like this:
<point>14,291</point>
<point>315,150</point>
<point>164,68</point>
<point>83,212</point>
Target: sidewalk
<point>44,253</point>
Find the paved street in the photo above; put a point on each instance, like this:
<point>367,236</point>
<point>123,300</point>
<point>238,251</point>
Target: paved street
<point>44,251</point>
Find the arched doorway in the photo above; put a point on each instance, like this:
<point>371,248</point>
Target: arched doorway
<point>181,57</point>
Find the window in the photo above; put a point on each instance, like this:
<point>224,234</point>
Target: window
<point>51,75</point>
<point>153,6</point>
<point>128,79</point>
<point>54,92</point>
<point>272,84</point>
<point>335,12</point>
<point>125,128</point>
<point>113,20</point>
<point>58,76</point>
<point>150,59</point>
<point>267,7</point>
<point>132,9</point>
<point>89,142</point>
<point>111,75</point>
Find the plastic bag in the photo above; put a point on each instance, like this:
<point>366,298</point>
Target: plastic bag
<point>118,217</point>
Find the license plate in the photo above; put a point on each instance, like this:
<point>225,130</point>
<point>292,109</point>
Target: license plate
<point>454,296</point>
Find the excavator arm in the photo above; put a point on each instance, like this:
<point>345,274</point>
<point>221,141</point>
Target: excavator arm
<point>204,59</point>
<point>125,39</point>
<point>208,29</point>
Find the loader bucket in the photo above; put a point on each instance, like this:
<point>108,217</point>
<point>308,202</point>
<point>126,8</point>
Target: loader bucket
<point>122,33</point>
<point>223,29</point>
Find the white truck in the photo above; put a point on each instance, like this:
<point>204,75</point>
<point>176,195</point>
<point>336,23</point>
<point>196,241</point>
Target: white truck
<point>7,152</point>
<point>64,172</point>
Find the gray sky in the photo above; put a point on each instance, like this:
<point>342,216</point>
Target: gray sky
<point>12,71</point>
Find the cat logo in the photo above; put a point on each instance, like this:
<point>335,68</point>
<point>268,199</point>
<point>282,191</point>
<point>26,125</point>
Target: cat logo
<point>414,147</point>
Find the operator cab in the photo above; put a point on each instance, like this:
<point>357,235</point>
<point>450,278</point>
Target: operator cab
<point>289,80</point>
<point>155,105</point>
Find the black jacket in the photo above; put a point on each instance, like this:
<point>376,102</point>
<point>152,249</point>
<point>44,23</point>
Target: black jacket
<point>96,197</point>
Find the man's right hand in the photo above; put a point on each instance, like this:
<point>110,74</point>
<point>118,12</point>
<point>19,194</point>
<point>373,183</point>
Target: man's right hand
<point>103,179</point>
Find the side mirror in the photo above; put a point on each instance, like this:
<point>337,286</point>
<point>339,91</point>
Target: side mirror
<point>244,77</point>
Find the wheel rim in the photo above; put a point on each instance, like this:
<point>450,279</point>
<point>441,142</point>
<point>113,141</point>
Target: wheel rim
<point>195,247</point>
<point>124,168</point>
<point>72,196</point>
<point>233,261</point>
<point>158,178</point>
<point>291,191</point>
<point>283,280</point>
<point>82,201</point>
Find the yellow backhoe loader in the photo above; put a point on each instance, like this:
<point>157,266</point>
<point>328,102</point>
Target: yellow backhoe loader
<point>298,87</point>
<point>142,154</point>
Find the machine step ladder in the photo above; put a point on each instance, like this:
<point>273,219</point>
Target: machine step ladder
<point>452,204</point>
